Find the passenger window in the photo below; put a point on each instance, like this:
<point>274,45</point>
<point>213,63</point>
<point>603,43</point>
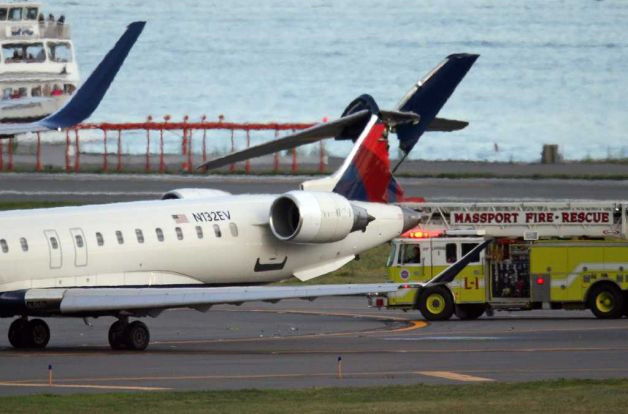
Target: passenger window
<point>411,254</point>
<point>31,13</point>
<point>160,234</point>
<point>199,232</point>
<point>15,14</point>
<point>99,239</point>
<point>24,244</point>
<point>3,14</point>
<point>4,246</point>
<point>179,233</point>
<point>450,252</point>
<point>217,230</point>
<point>139,235</point>
<point>234,229</point>
<point>53,243</point>
<point>119,237</point>
<point>467,247</point>
<point>79,240</point>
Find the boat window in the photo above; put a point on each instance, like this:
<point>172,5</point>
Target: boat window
<point>31,13</point>
<point>450,252</point>
<point>53,243</point>
<point>119,237</point>
<point>15,13</point>
<point>68,89</point>
<point>217,230</point>
<point>199,232</point>
<point>36,91</point>
<point>179,233</point>
<point>13,53</point>
<point>160,234</point>
<point>4,246</point>
<point>234,229</point>
<point>35,53</point>
<point>99,239</point>
<point>24,244</point>
<point>79,240</point>
<point>60,51</point>
<point>6,93</point>
<point>3,13</point>
<point>139,235</point>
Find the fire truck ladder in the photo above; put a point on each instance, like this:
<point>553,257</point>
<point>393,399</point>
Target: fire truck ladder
<point>529,220</point>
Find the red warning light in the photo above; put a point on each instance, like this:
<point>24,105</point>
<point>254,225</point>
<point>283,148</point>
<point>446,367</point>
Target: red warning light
<point>540,281</point>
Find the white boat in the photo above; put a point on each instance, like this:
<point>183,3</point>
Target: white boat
<point>38,70</point>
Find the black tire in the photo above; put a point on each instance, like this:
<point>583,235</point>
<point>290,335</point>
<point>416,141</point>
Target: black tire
<point>18,333</point>
<point>436,303</point>
<point>606,301</point>
<point>38,334</point>
<point>137,336</point>
<point>117,338</point>
<point>470,311</point>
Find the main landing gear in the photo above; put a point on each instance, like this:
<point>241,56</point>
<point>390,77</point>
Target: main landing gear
<point>124,335</point>
<point>29,334</point>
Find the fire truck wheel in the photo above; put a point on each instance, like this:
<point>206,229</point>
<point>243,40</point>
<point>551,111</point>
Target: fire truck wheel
<point>470,311</point>
<point>436,303</point>
<point>606,302</point>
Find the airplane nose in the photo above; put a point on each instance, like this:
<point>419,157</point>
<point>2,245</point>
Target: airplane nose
<point>410,218</point>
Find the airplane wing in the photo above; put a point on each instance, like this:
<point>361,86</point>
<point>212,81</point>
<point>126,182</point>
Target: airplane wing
<point>142,301</point>
<point>446,125</point>
<point>86,99</point>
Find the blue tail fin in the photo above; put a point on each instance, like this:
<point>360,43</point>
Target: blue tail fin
<point>429,95</point>
<point>88,96</point>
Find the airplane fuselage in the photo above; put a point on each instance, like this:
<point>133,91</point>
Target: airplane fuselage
<point>217,241</point>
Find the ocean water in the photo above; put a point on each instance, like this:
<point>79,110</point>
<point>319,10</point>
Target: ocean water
<point>549,72</point>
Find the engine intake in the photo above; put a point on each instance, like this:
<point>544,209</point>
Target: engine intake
<point>315,217</point>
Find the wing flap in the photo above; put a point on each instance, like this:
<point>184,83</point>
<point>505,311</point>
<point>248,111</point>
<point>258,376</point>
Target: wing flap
<point>104,300</point>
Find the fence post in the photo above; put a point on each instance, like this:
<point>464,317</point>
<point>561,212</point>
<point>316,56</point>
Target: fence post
<point>203,118</point>
<point>67,150</point>
<point>77,155</point>
<point>162,163</point>
<point>38,162</point>
<point>10,166</point>
<point>184,146</point>
<point>190,150</point>
<point>247,163</point>
<point>119,162</point>
<point>147,165</point>
<point>276,156</point>
<point>232,165</point>
<point>105,158</point>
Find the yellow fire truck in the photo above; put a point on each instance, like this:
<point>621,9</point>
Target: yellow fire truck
<point>542,255</point>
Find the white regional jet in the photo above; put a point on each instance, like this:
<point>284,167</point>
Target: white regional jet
<point>199,247</point>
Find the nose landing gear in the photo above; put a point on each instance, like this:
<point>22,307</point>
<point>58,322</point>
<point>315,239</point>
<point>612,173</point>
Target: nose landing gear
<point>29,334</point>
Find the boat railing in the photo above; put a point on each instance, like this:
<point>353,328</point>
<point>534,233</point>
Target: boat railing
<point>34,30</point>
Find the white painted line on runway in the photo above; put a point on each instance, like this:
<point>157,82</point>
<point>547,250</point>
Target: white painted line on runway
<point>454,376</point>
<point>80,193</point>
<point>84,386</point>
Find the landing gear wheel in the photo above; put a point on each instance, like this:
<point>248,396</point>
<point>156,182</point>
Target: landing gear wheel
<point>117,339</point>
<point>137,336</point>
<point>470,311</point>
<point>39,334</point>
<point>606,302</point>
<point>436,303</point>
<point>18,333</point>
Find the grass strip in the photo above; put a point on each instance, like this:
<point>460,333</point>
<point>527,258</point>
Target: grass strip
<point>556,396</point>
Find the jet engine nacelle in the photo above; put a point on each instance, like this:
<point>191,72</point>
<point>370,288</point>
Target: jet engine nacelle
<point>193,193</point>
<point>315,217</point>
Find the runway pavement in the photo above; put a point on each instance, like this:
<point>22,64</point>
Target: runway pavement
<point>297,344</point>
<point>99,188</point>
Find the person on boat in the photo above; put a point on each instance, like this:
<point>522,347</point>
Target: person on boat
<point>56,91</point>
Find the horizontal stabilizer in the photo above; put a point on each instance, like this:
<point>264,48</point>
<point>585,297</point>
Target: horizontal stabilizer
<point>446,125</point>
<point>87,98</point>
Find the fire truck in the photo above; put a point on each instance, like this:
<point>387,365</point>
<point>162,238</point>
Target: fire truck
<point>560,255</point>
